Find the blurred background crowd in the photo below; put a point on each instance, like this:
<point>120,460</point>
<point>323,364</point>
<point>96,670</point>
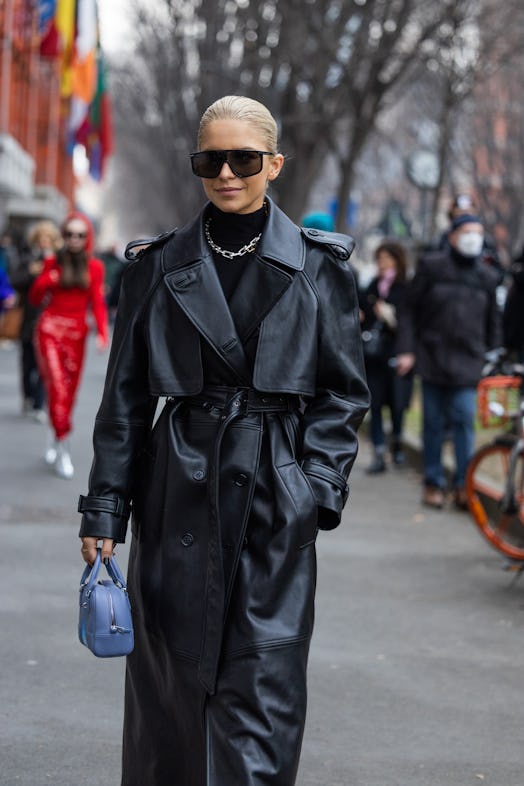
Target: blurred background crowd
<point>397,121</point>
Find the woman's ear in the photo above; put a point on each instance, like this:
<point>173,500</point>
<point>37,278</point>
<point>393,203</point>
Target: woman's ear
<point>276,163</point>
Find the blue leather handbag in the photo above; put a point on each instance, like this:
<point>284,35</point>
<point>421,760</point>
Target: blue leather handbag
<point>105,625</point>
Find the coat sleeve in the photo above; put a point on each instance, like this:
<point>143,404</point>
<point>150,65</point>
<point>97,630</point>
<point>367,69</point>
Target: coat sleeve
<point>332,417</point>
<point>407,313</point>
<point>125,415</point>
<point>494,332</point>
<point>45,283</point>
<point>6,289</point>
<point>98,302</point>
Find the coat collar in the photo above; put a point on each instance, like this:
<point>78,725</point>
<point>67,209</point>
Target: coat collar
<point>281,242</point>
<point>191,278</point>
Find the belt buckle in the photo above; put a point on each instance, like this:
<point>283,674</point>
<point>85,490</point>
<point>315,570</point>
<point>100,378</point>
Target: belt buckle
<point>240,402</point>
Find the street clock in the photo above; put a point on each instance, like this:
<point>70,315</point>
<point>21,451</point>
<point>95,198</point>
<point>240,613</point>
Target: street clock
<point>423,168</point>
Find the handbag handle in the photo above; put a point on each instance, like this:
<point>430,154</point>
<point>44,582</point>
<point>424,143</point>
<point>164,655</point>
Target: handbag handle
<point>90,574</point>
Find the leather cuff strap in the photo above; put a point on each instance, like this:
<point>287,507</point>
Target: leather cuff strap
<point>329,475</point>
<point>114,505</point>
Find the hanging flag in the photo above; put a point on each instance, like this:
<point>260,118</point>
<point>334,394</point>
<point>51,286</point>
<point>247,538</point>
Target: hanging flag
<point>96,132</point>
<point>83,75</point>
<point>65,20</point>
<point>49,37</point>
<point>57,29</point>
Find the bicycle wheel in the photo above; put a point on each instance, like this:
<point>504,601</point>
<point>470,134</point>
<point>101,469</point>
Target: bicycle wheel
<point>485,485</point>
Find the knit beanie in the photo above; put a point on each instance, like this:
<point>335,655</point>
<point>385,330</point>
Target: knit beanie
<point>465,218</point>
<point>319,221</point>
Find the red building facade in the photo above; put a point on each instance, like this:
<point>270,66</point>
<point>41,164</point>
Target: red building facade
<point>36,171</point>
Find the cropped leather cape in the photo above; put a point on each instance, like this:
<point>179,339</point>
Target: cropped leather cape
<point>227,488</point>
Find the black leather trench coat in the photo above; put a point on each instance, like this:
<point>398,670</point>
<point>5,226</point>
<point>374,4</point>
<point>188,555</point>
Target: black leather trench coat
<point>227,489</point>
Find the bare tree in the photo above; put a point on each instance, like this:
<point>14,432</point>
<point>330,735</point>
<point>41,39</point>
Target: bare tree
<point>468,93</point>
<point>327,69</point>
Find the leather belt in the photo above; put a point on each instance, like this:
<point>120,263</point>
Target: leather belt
<point>233,403</point>
<point>245,400</point>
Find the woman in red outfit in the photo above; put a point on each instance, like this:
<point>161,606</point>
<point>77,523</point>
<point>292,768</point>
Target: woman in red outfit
<point>70,283</point>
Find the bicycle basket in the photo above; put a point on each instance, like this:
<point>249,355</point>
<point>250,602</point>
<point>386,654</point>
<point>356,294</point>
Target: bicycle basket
<point>498,400</point>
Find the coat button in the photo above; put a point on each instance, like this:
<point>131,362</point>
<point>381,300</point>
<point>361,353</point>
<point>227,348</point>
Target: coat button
<point>187,539</point>
<point>241,479</point>
<point>199,474</point>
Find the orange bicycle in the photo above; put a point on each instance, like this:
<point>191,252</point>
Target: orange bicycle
<point>495,475</point>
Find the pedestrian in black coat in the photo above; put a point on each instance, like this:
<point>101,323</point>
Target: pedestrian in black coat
<point>381,303</point>
<point>44,240</point>
<point>249,326</point>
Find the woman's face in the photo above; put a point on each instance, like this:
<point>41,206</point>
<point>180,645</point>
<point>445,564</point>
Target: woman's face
<point>45,240</point>
<point>385,263</point>
<point>75,235</point>
<point>228,192</point>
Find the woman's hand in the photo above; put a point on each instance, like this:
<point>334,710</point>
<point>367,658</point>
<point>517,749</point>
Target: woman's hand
<point>405,363</point>
<point>89,546</point>
<point>102,343</point>
<point>386,313</point>
<point>9,301</point>
<point>35,267</point>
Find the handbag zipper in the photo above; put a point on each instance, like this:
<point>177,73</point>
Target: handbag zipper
<point>114,628</point>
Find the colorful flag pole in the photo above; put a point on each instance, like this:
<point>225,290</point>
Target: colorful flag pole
<point>96,133</point>
<point>69,31</point>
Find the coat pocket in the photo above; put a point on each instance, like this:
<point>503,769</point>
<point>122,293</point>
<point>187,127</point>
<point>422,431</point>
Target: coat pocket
<point>300,494</point>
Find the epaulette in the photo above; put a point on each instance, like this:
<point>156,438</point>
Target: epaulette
<point>341,245</point>
<point>143,244</point>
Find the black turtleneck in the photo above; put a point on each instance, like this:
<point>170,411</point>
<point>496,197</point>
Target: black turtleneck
<point>231,231</point>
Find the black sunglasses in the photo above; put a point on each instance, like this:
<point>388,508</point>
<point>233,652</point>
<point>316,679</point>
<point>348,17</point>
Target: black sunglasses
<point>243,163</point>
<point>80,235</point>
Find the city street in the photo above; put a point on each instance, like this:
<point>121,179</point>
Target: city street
<point>416,665</point>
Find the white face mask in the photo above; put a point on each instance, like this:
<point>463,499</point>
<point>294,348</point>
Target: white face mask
<point>470,244</point>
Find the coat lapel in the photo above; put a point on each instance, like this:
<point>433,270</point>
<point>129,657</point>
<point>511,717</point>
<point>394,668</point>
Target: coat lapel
<point>192,280</point>
<point>280,254</point>
<point>262,284</point>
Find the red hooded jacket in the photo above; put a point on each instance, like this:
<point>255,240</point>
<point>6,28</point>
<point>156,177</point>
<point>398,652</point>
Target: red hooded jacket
<point>73,302</point>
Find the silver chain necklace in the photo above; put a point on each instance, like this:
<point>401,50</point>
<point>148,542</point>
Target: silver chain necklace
<point>247,249</point>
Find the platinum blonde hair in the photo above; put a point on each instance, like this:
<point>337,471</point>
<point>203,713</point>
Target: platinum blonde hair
<point>45,227</point>
<point>242,108</point>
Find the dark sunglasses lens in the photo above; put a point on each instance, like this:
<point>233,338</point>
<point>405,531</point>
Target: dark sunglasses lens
<point>208,164</point>
<point>243,163</point>
<point>79,235</point>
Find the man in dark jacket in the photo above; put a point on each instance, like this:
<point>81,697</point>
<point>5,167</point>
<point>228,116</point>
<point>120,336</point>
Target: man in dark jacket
<point>451,319</point>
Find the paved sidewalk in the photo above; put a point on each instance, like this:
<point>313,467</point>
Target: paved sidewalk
<point>417,660</point>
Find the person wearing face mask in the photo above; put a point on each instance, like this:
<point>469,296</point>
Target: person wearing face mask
<point>449,321</point>
<point>465,204</point>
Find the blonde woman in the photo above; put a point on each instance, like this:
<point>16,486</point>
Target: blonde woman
<point>250,327</point>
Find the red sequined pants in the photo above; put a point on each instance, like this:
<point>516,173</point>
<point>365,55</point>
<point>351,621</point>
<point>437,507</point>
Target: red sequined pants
<point>60,345</point>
